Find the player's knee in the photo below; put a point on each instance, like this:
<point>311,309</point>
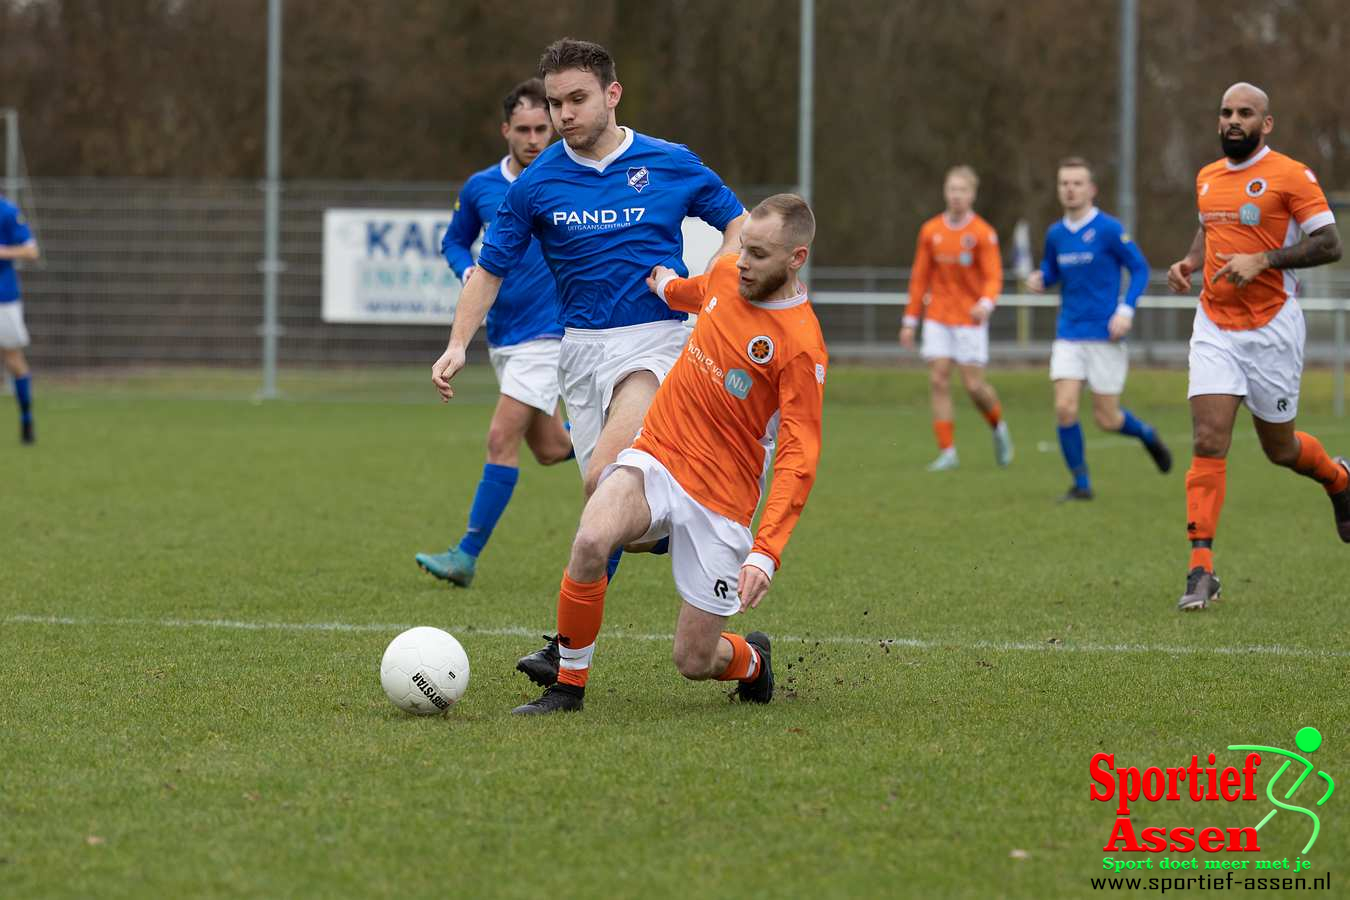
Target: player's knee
<point>1065,415</point>
<point>501,440</point>
<point>939,380</point>
<point>694,663</point>
<point>1210,441</point>
<point>590,547</point>
<point>1106,419</point>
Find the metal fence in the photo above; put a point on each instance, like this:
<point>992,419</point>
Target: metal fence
<point>140,272</point>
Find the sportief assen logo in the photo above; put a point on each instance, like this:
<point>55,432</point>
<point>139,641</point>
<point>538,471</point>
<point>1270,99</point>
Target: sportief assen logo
<point>1128,785</point>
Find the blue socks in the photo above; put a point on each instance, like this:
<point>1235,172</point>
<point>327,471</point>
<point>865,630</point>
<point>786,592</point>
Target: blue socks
<point>1071,445</point>
<point>1137,428</point>
<point>489,502</point>
<point>613,565</point>
<point>23,392</point>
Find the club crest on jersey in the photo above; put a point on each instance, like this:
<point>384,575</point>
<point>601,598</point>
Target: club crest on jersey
<point>760,349</point>
<point>968,242</point>
<point>639,178</point>
<point>1249,214</point>
<point>1090,235</point>
<point>1256,187</point>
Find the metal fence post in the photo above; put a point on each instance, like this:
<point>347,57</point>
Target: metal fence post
<point>1338,365</point>
<point>271,265</point>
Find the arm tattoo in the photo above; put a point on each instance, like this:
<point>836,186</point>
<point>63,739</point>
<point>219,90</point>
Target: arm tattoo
<point>1322,246</point>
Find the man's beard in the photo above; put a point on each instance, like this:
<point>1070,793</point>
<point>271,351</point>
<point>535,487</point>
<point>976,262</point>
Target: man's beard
<point>590,137</point>
<point>766,287</point>
<point>1238,149</point>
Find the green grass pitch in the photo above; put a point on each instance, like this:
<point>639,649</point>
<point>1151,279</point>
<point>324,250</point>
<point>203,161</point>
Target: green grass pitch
<point>195,591</point>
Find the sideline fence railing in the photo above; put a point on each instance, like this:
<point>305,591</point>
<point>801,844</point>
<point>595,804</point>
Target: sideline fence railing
<point>151,272</point>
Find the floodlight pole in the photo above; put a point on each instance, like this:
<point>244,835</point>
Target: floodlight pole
<point>1129,58</point>
<point>271,265</point>
<point>806,71</point>
<point>11,153</point>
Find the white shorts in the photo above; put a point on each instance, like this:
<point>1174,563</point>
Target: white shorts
<point>528,372</point>
<point>13,334</point>
<point>1262,364</point>
<point>593,362</point>
<point>707,549</point>
<point>1102,364</point>
<point>967,344</point>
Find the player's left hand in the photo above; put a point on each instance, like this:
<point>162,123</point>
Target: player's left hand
<point>1240,268</point>
<point>1119,326</point>
<point>752,587</point>
<point>451,361</point>
<point>981,312</point>
<point>658,272</point>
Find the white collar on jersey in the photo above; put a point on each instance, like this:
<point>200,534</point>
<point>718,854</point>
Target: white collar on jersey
<point>505,166</point>
<point>600,165</point>
<point>1075,227</point>
<point>797,300</point>
<point>957,226</point>
<point>1247,163</point>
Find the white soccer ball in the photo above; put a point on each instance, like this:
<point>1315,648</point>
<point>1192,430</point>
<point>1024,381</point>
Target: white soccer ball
<point>424,671</point>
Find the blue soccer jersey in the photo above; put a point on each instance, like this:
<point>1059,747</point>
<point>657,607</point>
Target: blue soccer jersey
<point>603,224</point>
<point>1087,256</point>
<point>14,232</point>
<point>527,304</point>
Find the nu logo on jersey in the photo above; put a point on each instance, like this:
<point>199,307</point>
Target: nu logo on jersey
<point>760,348</point>
<point>1256,187</point>
<point>738,383</point>
<point>1249,214</point>
<point>639,178</point>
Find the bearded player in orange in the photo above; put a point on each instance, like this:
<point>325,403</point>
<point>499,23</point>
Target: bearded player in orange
<point>958,267</point>
<point>1262,215</point>
<point>751,376</point>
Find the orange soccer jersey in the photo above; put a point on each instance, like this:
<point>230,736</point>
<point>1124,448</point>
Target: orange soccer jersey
<point>956,267</point>
<point>1269,201</point>
<point>752,373</point>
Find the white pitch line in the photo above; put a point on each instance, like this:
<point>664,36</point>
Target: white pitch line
<point>1055,645</point>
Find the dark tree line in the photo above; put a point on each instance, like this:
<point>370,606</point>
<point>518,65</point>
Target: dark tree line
<point>904,88</point>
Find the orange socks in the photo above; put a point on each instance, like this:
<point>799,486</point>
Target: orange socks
<point>1205,483</point>
<point>580,610</point>
<point>993,416</point>
<point>1314,462</point>
<point>945,432</point>
<point>744,660</point>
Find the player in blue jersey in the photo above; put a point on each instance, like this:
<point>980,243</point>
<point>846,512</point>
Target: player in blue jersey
<point>523,336</point>
<point>16,242</point>
<point>606,205</point>
<point>1084,253</point>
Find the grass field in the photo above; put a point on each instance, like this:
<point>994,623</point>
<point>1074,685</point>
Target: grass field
<point>196,590</point>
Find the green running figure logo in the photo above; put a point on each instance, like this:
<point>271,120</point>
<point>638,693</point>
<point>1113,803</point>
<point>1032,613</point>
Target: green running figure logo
<point>1308,740</point>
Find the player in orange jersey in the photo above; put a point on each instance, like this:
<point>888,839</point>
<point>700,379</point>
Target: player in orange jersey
<point>751,376</point>
<point>1262,215</point>
<point>957,266</point>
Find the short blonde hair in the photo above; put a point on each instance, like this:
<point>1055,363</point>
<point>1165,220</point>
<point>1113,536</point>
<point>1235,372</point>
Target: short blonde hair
<point>966,172</point>
<point>799,223</point>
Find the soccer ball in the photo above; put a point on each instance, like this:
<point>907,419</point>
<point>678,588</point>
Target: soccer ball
<point>424,671</point>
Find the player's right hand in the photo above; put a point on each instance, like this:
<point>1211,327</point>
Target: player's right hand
<point>451,361</point>
<point>657,273</point>
<point>907,337</point>
<point>1036,282</point>
<point>1179,276</point>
